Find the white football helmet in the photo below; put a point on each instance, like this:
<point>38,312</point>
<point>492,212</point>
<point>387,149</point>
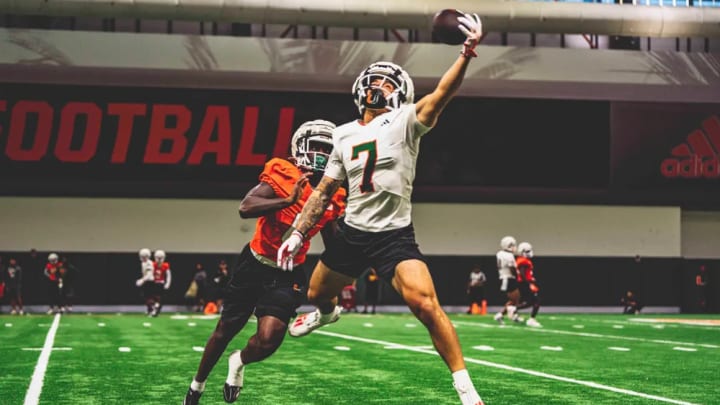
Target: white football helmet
<point>404,92</point>
<point>525,249</point>
<point>312,143</point>
<point>144,254</point>
<point>53,258</point>
<point>160,255</point>
<point>508,243</point>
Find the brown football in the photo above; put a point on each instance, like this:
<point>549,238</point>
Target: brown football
<point>445,27</point>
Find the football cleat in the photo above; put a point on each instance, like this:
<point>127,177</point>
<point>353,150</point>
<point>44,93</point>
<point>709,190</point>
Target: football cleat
<point>234,382</point>
<point>468,395</point>
<point>517,318</point>
<point>533,323</point>
<point>307,323</point>
<point>231,393</point>
<point>192,397</point>
<point>499,318</point>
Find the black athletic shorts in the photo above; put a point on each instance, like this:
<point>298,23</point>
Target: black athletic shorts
<point>353,250</point>
<point>476,294</point>
<point>525,291</point>
<point>508,285</point>
<point>261,289</point>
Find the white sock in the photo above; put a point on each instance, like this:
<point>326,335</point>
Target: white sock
<point>197,386</point>
<point>237,362</point>
<point>326,317</point>
<point>462,379</point>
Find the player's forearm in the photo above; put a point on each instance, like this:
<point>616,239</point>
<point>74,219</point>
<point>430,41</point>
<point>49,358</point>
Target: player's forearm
<point>317,204</point>
<point>452,79</point>
<point>429,107</point>
<point>253,207</point>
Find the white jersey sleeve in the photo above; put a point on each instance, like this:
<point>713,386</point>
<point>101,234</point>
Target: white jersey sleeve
<point>506,264</point>
<point>334,167</point>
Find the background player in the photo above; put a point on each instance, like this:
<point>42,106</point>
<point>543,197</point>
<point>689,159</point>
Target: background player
<point>476,289</point>
<point>372,290</point>
<point>529,289</point>
<point>508,283</point>
<point>13,286</point>
<point>52,275</point>
<point>162,277</point>
<point>257,285</point>
<point>378,155</point>
<point>147,280</point>
<point>347,298</point>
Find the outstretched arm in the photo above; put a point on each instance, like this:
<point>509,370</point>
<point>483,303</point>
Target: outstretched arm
<point>428,109</point>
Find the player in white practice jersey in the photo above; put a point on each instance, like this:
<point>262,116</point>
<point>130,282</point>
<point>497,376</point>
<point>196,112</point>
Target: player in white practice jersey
<point>508,282</point>
<point>377,155</point>
<point>147,281</point>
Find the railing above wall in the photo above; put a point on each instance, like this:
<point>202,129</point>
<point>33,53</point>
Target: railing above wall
<point>662,3</point>
<point>498,16</point>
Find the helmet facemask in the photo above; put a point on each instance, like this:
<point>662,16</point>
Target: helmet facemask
<point>312,145</point>
<point>368,87</point>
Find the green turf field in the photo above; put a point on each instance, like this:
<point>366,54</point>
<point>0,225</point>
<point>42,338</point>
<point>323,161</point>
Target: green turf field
<point>371,359</point>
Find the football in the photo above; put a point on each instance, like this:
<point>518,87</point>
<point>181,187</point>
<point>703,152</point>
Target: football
<point>445,27</point>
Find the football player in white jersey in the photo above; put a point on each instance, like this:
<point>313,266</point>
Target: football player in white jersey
<point>377,154</point>
<point>507,271</point>
<point>146,281</point>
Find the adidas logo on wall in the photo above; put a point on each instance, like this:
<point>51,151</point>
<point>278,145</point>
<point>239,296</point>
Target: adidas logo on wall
<point>698,156</point>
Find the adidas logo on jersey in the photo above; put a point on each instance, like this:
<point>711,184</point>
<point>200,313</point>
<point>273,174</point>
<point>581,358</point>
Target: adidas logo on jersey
<point>385,122</point>
<point>699,156</point>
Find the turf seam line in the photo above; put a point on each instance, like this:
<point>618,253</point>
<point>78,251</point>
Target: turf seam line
<point>32,397</point>
<point>514,369</point>
<point>597,335</point>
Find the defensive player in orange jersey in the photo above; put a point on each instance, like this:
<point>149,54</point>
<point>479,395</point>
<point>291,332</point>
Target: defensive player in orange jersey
<point>529,290</point>
<point>162,277</point>
<point>257,284</point>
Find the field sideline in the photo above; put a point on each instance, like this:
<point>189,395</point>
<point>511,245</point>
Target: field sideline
<point>366,359</point>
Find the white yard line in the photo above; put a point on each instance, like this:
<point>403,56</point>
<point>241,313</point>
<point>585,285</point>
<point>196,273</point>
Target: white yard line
<point>596,335</point>
<point>648,322</point>
<point>32,397</point>
<point>513,369</point>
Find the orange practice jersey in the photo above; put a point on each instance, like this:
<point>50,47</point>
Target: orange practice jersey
<point>282,175</point>
<point>524,269</point>
<point>160,272</point>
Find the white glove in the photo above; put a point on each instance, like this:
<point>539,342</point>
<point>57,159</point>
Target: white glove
<point>140,282</point>
<point>288,250</point>
<point>471,26</point>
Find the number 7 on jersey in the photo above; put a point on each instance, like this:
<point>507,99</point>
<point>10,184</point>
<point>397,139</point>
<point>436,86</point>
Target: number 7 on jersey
<point>371,149</point>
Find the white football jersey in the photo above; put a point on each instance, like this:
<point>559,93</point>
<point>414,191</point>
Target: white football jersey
<point>506,264</point>
<point>379,160</point>
<point>147,268</point>
<point>477,279</point>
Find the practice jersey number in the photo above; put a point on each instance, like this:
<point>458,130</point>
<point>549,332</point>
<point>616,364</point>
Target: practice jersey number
<point>371,149</point>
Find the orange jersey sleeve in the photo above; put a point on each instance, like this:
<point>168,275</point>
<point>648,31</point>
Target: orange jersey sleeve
<point>282,176</point>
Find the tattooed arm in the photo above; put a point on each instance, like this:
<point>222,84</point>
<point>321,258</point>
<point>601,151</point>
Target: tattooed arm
<point>317,204</point>
<point>312,212</point>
